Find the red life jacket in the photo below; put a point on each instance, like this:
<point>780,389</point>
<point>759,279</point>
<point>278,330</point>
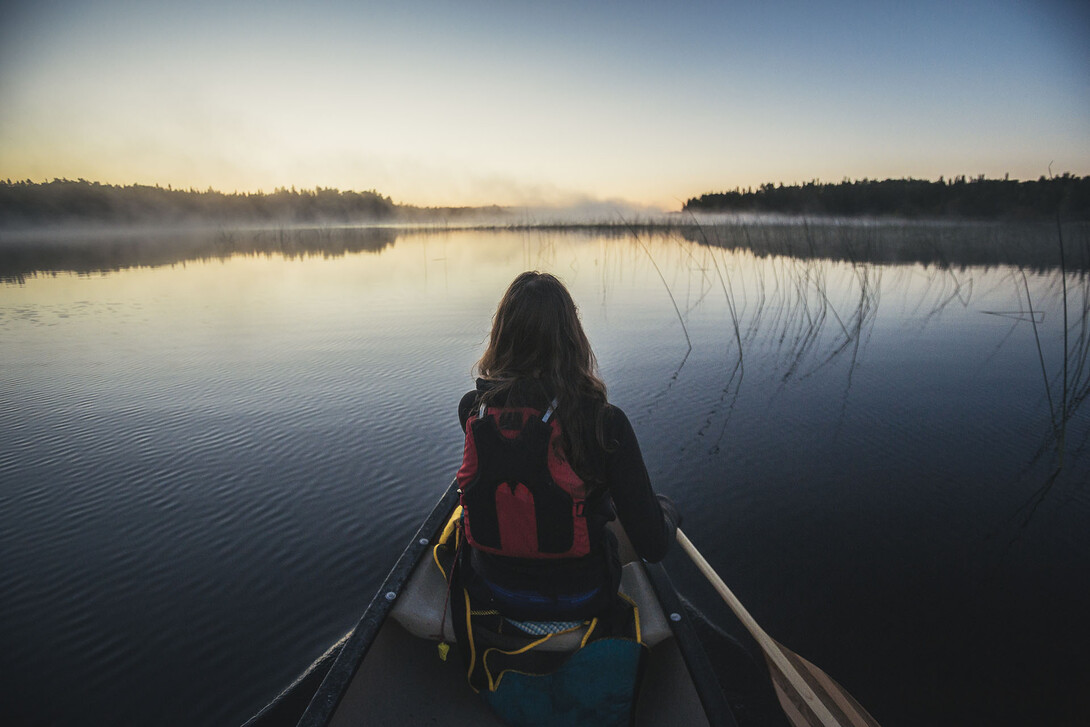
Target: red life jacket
<point>519,497</point>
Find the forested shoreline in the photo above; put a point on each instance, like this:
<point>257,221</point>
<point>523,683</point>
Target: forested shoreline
<point>64,202</point>
<point>960,198</point>
<point>80,202</point>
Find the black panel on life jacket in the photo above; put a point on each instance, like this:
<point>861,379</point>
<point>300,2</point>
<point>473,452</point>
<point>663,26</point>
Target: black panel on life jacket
<point>509,462</point>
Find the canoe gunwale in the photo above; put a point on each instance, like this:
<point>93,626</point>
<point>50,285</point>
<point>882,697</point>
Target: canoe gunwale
<point>332,689</point>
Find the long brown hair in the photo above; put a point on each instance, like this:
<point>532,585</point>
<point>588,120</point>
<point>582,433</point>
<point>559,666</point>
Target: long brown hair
<point>537,339</point>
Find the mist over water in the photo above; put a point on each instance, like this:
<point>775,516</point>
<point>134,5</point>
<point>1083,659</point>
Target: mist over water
<point>213,449</point>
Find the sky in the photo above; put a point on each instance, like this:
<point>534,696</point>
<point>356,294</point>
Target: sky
<point>473,102</point>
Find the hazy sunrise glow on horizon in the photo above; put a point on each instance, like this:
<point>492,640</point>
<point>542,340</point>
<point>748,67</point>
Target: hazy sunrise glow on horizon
<point>480,102</point>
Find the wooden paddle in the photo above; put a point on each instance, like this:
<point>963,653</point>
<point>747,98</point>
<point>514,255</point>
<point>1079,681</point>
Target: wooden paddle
<point>809,697</point>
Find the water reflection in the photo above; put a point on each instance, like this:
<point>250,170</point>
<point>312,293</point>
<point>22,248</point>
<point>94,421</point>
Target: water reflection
<point>110,252</point>
<point>946,245</point>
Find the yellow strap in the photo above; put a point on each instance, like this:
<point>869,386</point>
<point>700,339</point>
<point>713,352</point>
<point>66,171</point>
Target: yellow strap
<point>452,524</point>
<point>493,685</point>
<point>435,557</point>
<point>586,636</point>
<point>450,528</point>
<point>635,617</point>
<point>472,646</point>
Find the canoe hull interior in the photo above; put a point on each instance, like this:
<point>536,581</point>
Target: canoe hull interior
<point>404,681</point>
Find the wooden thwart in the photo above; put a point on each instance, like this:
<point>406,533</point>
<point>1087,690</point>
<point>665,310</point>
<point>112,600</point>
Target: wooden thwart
<point>809,696</point>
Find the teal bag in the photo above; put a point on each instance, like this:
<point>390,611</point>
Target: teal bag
<point>597,685</point>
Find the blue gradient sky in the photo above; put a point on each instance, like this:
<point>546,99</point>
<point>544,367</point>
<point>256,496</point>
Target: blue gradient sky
<point>475,101</point>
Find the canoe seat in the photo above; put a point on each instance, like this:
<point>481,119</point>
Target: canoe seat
<point>419,607</point>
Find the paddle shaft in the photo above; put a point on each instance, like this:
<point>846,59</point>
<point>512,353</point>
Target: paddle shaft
<point>768,645</point>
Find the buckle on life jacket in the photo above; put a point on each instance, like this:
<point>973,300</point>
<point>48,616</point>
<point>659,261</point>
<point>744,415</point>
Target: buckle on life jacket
<point>579,507</point>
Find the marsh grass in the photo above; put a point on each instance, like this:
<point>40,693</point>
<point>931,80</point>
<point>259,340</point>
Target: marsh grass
<point>784,311</point>
<point>1071,382</point>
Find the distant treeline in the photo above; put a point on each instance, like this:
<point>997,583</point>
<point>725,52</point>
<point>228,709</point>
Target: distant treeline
<point>962,198</point>
<point>80,202</point>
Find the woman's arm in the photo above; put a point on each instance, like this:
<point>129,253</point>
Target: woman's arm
<point>650,521</point>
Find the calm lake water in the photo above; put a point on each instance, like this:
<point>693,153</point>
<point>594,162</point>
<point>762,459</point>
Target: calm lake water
<point>212,449</point>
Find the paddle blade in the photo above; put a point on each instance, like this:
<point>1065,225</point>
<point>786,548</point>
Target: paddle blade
<point>842,706</point>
